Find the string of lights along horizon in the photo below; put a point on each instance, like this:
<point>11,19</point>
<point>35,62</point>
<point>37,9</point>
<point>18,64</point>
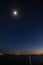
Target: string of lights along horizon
<point>21,26</point>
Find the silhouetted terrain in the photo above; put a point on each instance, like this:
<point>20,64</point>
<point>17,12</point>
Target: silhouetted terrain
<point>21,60</point>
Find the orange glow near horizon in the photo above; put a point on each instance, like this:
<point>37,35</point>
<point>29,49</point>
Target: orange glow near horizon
<point>37,52</point>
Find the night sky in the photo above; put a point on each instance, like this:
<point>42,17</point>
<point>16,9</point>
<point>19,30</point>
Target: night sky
<point>24,31</point>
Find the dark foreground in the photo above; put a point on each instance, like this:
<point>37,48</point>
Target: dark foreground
<point>21,60</point>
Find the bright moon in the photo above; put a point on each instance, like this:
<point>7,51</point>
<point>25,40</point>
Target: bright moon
<point>15,13</point>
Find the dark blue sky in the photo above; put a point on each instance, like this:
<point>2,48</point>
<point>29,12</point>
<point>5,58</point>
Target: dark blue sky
<point>25,31</point>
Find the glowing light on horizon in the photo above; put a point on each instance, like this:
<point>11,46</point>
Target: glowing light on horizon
<point>1,53</point>
<point>15,13</point>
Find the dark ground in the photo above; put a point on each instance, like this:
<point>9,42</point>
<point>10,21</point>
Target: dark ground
<point>21,60</point>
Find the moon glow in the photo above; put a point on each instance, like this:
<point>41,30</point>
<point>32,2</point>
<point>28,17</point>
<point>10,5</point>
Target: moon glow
<point>15,13</point>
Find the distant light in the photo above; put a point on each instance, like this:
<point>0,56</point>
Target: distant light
<point>15,12</point>
<point>1,53</point>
